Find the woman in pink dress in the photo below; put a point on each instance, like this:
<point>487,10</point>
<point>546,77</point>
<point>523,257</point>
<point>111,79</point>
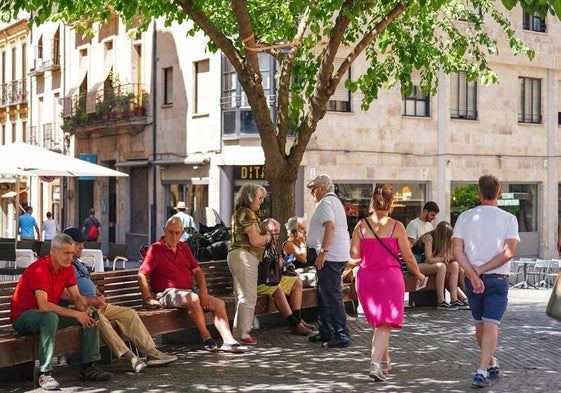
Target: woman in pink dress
<point>377,242</point>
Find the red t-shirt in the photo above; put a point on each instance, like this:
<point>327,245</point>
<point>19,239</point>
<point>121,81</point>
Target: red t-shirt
<point>167,269</point>
<point>40,275</point>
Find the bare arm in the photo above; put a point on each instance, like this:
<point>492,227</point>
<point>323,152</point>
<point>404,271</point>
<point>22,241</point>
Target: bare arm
<point>471,273</point>
<point>206,300</point>
<point>500,259</point>
<point>82,313</point>
<point>256,238</point>
<point>429,257</point>
<point>406,253</point>
<point>146,292</point>
<point>300,252</point>
<point>355,243</point>
<point>328,234</point>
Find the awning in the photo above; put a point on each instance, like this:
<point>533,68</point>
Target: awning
<point>132,163</point>
<point>193,160</point>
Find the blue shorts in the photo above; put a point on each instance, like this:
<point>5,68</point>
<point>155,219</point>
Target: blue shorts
<point>490,305</point>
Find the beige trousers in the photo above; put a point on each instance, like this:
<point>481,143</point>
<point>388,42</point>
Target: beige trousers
<point>243,266</point>
<point>129,324</point>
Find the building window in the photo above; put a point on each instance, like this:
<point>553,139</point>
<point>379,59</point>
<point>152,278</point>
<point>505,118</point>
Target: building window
<point>533,22</point>
<point>340,101</point>
<point>168,86</point>
<point>416,104</point>
<point>530,103</point>
<point>463,97</point>
<point>202,86</point>
<point>237,117</point>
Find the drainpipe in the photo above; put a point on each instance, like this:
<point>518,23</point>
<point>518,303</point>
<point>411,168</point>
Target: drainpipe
<point>153,209</point>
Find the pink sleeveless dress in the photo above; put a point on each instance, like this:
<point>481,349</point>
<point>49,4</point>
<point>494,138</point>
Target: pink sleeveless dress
<point>379,282</point>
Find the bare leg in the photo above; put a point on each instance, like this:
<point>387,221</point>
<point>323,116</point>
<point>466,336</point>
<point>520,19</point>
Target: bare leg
<point>487,334</point>
<point>281,303</point>
<point>452,270</point>
<point>438,269</point>
<point>220,319</point>
<point>380,341</point>
<point>192,304</point>
<point>295,297</point>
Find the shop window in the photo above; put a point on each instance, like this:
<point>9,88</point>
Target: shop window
<point>409,199</point>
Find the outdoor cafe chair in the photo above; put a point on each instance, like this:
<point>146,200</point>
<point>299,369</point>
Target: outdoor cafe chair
<point>539,272</point>
<point>8,254</point>
<point>117,252</point>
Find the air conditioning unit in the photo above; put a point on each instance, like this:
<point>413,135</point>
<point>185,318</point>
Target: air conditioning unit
<point>38,63</point>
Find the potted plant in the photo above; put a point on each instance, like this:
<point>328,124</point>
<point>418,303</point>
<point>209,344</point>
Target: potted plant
<point>102,108</point>
<point>140,109</point>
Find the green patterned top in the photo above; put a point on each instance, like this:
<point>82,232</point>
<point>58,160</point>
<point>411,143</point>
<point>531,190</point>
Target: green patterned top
<point>242,219</point>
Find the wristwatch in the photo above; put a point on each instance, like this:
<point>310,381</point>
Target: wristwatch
<point>321,249</point>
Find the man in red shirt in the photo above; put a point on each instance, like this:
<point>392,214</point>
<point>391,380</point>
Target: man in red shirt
<point>169,264</point>
<point>34,309</point>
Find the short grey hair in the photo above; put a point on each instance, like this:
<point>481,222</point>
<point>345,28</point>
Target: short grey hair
<point>292,224</point>
<point>172,220</point>
<point>60,239</point>
<point>270,224</point>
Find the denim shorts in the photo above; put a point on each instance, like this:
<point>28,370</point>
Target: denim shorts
<point>490,305</point>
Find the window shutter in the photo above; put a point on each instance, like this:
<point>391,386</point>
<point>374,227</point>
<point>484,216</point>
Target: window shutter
<point>341,92</point>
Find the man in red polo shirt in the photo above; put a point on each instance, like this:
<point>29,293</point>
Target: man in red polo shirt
<point>169,264</point>
<point>34,309</point>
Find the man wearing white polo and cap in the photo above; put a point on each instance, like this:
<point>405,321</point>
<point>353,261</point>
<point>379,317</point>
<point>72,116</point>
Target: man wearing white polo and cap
<point>328,234</point>
<point>188,221</point>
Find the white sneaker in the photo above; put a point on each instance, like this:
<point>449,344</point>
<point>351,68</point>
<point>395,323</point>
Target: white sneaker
<point>137,364</point>
<point>46,382</point>
<point>376,372</point>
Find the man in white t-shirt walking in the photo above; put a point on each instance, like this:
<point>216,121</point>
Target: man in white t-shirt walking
<point>484,242</point>
<point>422,224</point>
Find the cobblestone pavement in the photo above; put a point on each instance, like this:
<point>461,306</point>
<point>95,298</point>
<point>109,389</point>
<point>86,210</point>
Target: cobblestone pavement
<point>434,352</point>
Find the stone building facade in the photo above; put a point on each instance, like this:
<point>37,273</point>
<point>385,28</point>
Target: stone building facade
<point>195,140</point>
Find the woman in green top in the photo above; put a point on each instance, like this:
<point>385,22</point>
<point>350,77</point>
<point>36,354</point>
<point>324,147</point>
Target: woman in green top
<point>249,240</point>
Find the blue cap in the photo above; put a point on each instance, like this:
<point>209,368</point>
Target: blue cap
<point>75,234</point>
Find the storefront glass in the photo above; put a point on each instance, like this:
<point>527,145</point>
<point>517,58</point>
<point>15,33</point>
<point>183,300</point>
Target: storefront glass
<point>409,199</point>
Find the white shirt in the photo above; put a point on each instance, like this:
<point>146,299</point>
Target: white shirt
<point>417,228</point>
<point>50,229</point>
<point>330,208</point>
<point>484,230</point>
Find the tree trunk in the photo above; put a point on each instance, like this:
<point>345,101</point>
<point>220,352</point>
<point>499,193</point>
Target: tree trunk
<point>283,196</point>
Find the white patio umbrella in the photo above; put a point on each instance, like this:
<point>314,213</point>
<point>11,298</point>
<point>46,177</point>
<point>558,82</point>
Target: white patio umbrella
<point>21,159</point>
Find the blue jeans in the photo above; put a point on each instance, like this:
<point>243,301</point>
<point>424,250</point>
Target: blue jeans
<point>332,317</point>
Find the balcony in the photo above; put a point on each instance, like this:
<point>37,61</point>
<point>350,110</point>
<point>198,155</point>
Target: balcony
<point>13,93</point>
<point>117,110</point>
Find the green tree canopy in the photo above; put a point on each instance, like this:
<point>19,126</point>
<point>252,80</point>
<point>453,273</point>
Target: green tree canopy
<point>305,36</point>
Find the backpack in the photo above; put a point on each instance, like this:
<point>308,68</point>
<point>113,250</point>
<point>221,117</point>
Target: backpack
<point>93,233</point>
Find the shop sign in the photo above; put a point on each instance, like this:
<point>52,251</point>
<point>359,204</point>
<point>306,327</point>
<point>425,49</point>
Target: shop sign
<point>249,172</point>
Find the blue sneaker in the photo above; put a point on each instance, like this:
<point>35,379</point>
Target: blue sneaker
<point>480,381</point>
<point>493,371</point>
<point>210,345</point>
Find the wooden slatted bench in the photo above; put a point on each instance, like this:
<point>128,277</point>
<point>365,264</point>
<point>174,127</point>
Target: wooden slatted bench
<point>121,288</point>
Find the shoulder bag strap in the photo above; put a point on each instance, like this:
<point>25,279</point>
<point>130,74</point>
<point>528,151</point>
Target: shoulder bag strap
<point>381,242</point>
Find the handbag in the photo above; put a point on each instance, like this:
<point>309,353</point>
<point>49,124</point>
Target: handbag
<point>311,255</point>
<point>269,270</point>
<point>553,308</point>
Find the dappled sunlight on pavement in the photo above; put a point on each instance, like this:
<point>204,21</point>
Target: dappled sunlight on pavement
<point>434,352</point>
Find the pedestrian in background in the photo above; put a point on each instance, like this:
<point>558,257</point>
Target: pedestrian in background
<point>484,242</point>
<point>49,227</point>
<point>28,225</point>
<point>92,227</point>
<point>189,225</point>
<point>422,224</point>
<point>328,234</point>
<point>377,242</point>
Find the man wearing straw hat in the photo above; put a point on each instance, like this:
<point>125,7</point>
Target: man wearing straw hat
<point>188,221</point>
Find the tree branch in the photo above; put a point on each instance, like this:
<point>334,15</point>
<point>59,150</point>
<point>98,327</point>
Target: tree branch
<point>367,40</point>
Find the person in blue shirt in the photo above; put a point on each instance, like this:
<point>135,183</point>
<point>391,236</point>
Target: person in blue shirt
<point>128,321</point>
<point>27,223</point>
